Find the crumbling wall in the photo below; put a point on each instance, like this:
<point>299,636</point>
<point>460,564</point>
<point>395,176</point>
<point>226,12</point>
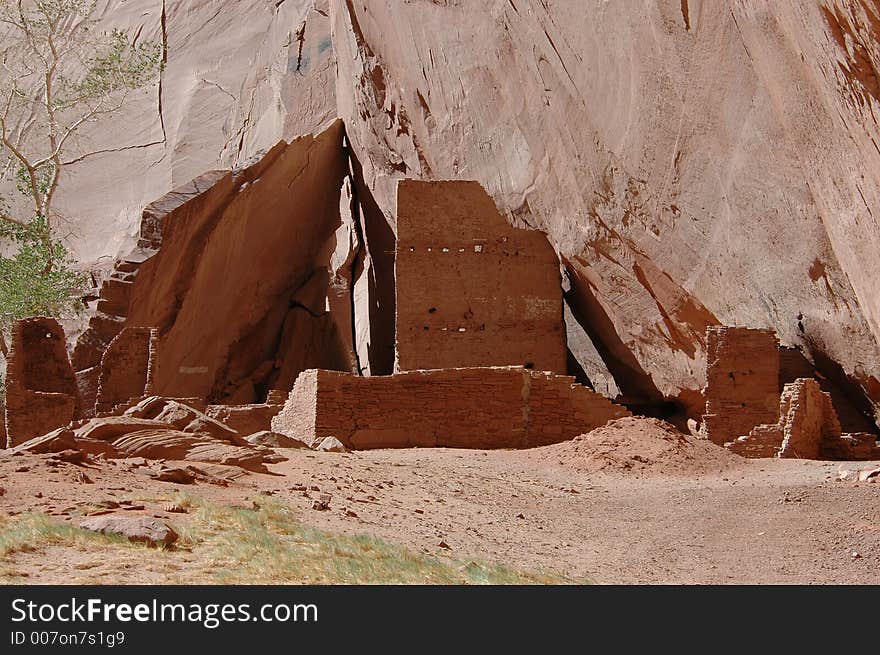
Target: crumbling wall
<point>808,428</point>
<point>126,368</point>
<point>810,420</point>
<point>742,387</point>
<point>472,290</point>
<point>494,407</point>
<point>41,390</point>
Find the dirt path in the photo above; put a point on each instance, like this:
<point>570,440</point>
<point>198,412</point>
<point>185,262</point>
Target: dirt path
<point>757,521</point>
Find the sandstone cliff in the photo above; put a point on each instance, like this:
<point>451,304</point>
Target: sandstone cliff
<point>692,162</point>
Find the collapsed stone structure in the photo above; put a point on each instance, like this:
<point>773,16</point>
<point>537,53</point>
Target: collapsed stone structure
<point>746,412</point>
<point>807,428</point>
<point>494,407</point>
<point>473,294</point>
<point>41,391</point>
<point>126,368</point>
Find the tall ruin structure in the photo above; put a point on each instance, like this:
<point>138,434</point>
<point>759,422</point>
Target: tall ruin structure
<point>471,289</point>
<point>41,391</point>
<point>742,386</point>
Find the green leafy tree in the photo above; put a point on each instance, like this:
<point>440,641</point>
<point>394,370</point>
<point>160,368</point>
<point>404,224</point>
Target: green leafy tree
<point>58,74</point>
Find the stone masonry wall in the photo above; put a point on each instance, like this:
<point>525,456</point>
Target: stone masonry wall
<point>808,428</point>
<point>472,290</point>
<point>742,388</point>
<point>41,391</point>
<point>497,407</point>
<point>126,368</point>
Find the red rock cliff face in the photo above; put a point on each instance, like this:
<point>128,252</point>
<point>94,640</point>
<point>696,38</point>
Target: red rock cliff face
<point>693,162</point>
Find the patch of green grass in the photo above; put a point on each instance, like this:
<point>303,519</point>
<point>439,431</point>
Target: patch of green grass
<point>29,532</point>
<point>268,545</point>
<point>265,544</point>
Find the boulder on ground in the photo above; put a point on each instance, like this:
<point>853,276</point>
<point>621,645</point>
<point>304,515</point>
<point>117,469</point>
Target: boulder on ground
<point>274,440</point>
<point>331,445</point>
<point>141,530</point>
<point>183,446</point>
<point>55,442</point>
<point>108,428</point>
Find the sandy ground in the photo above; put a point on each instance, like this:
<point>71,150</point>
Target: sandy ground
<point>735,521</point>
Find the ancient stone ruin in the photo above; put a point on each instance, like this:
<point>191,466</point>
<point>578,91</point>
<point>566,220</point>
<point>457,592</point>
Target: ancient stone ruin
<point>251,308</point>
<point>496,407</point>
<point>746,412</point>
<point>471,289</point>
<point>742,381</point>
<point>807,428</point>
<point>41,391</point>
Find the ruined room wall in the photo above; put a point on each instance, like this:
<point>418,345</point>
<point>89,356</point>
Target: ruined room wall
<point>742,388</point>
<point>810,420</point>
<point>498,407</point>
<point>125,368</point>
<point>808,428</point>
<point>41,390</point>
<point>472,290</point>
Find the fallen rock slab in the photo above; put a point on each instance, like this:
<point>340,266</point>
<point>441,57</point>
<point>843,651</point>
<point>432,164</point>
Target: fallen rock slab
<point>331,445</point>
<point>184,418</point>
<point>107,428</point>
<point>55,442</point>
<point>138,530</point>
<point>274,440</point>
<point>182,446</point>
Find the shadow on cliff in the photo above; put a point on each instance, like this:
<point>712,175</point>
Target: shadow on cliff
<point>379,239</point>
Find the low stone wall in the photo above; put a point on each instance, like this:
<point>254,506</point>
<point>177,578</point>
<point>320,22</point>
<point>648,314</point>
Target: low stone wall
<point>496,407</point>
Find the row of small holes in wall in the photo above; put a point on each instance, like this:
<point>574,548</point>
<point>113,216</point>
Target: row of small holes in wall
<point>477,248</point>
<point>459,329</point>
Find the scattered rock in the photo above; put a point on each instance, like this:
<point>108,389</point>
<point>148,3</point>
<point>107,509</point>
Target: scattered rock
<point>71,456</point>
<point>322,502</point>
<point>174,508</point>
<point>868,474</point>
<point>176,475</point>
<point>274,440</point>
<point>331,445</point>
<point>140,530</point>
<point>444,545</point>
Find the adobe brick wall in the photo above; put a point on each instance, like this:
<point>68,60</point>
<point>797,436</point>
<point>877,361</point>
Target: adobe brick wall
<point>808,428</point>
<point>810,420</point>
<point>491,407</point>
<point>41,391</point>
<point>471,289</point>
<point>126,368</point>
<point>742,388</point>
